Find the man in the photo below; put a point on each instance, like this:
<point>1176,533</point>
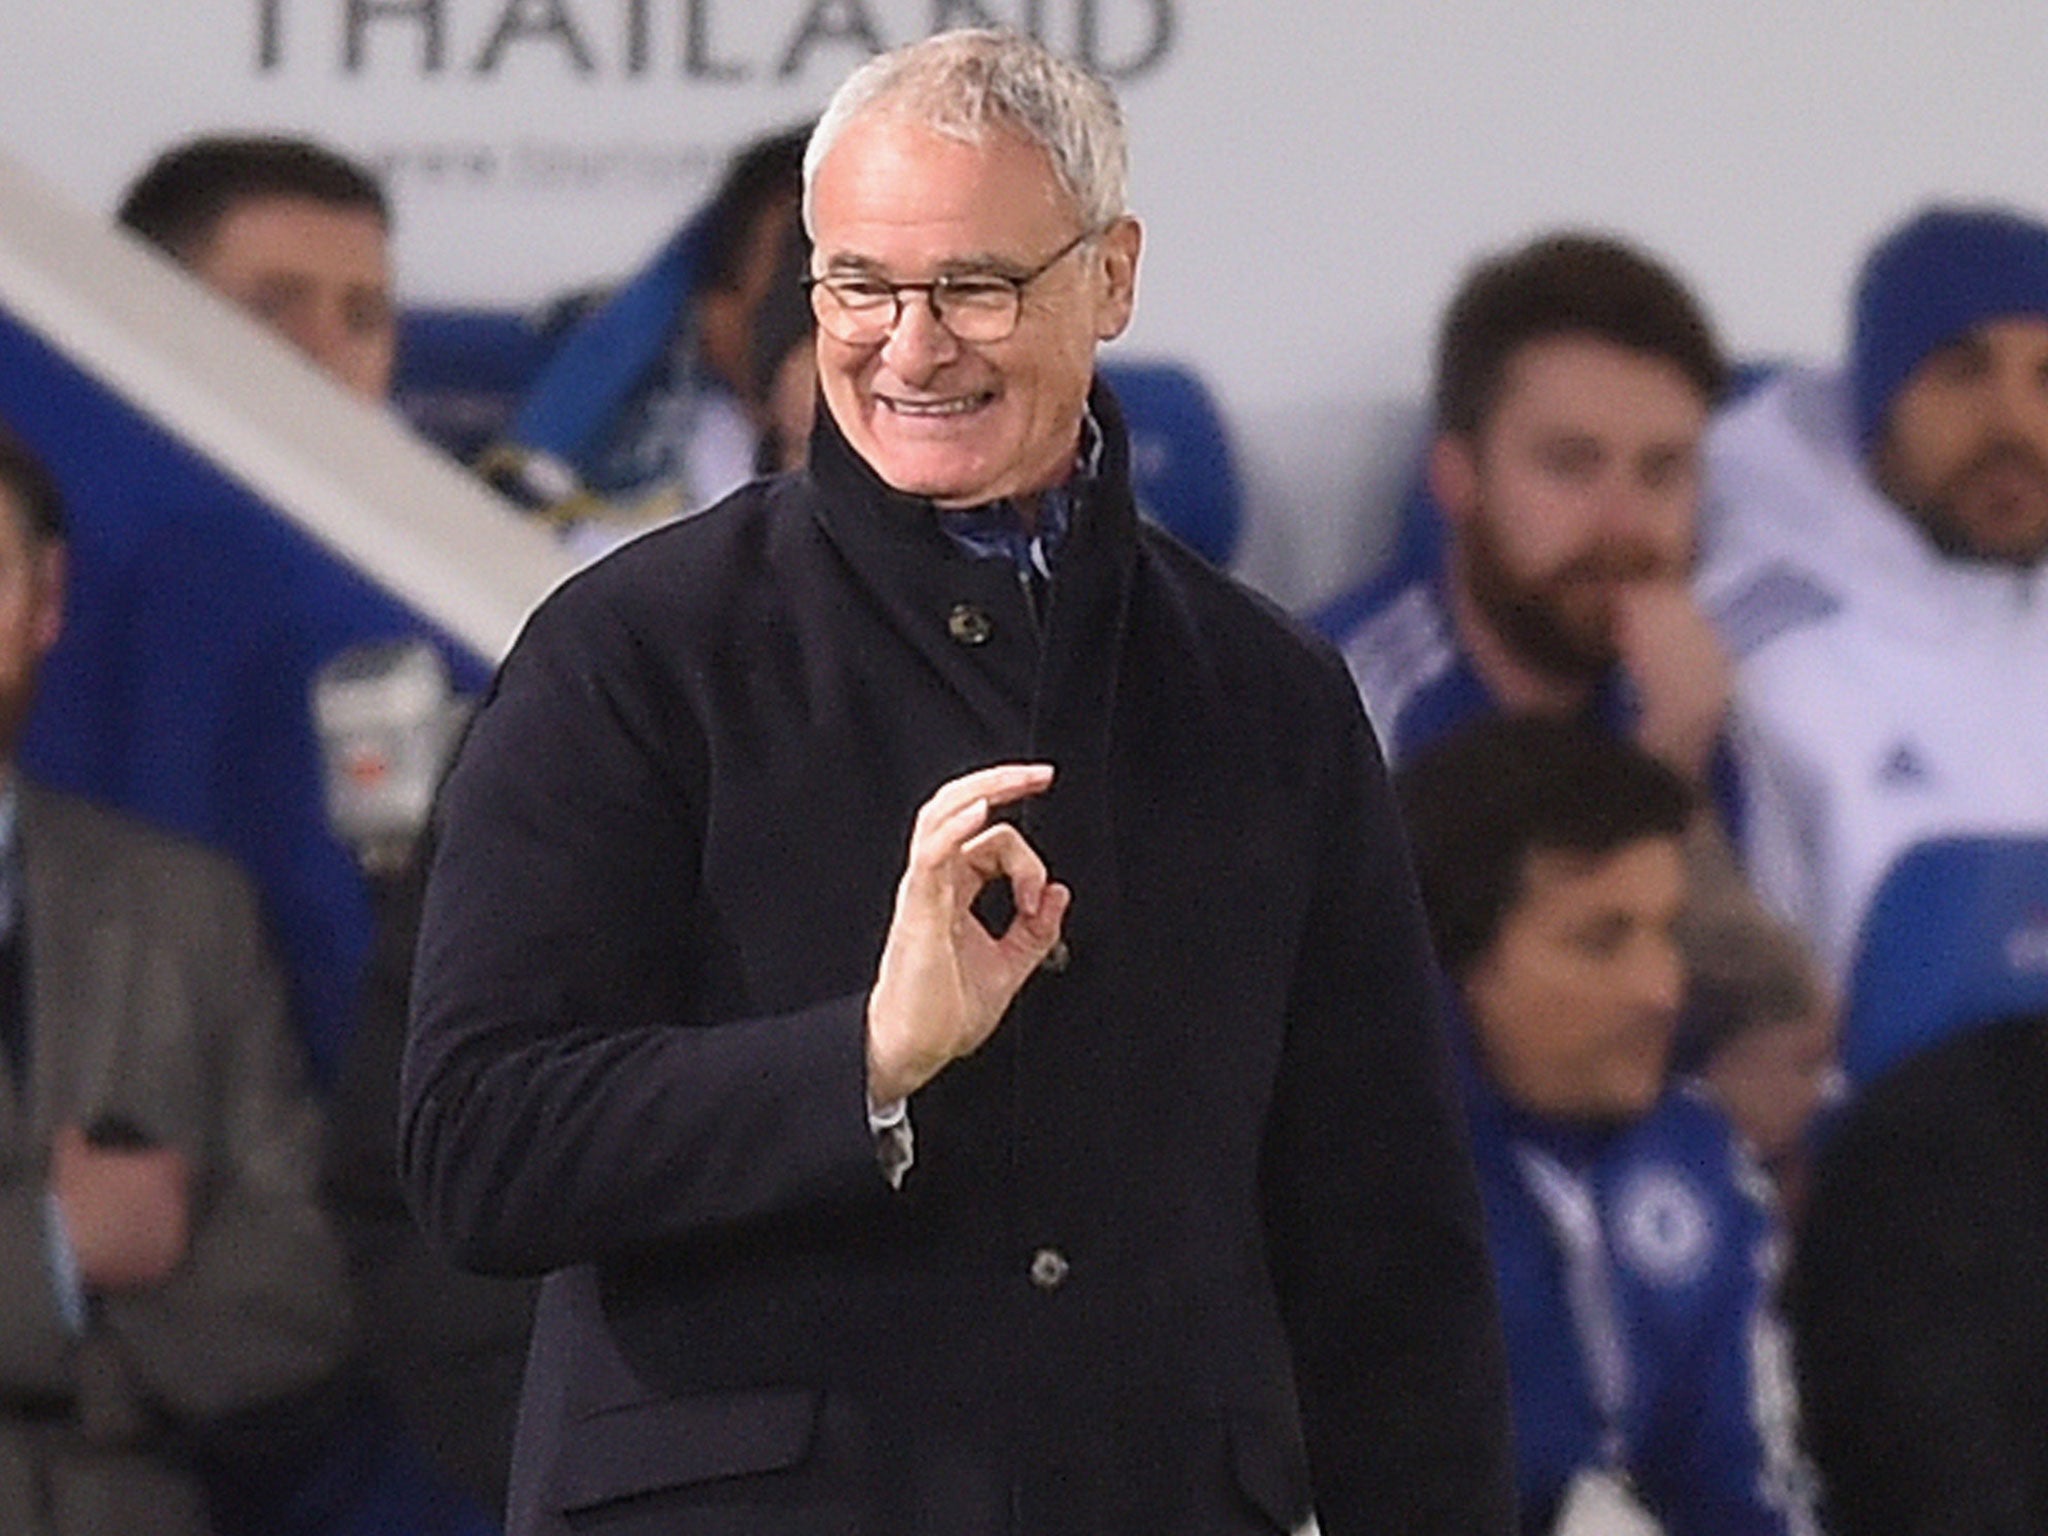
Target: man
<point>1630,1233</point>
<point>1133,1162</point>
<point>163,1263</point>
<point>1573,381</point>
<point>299,237</point>
<point>1760,1033</point>
<point>293,233</point>
<point>648,410</point>
<point>1877,566</point>
<point>1919,1293</point>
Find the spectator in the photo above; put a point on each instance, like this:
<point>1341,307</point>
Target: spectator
<point>1759,1030</point>
<point>295,234</point>
<point>648,410</point>
<point>298,236</point>
<point>782,360</point>
<point>164,1266</point>
<point>1919,1294</point>
<point>1573,381</point>
<point>1631,1238</point>
<point>1876,563</point>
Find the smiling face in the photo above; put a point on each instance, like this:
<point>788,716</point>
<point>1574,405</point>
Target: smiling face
<point>963,423</point>
<point>1582,480</point>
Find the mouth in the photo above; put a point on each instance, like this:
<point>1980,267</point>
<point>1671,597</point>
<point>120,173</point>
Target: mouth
<point>949,407</point>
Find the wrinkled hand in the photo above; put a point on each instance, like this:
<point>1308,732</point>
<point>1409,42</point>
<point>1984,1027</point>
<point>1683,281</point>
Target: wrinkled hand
<point>1672,654</point>
<point>126,1210</point>
<point>944,982</point>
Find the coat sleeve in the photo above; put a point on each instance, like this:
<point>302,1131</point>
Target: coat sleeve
<point>1898,1297</point>
<point>35,1345</point>
<point>560,1103</point>
<point>447,1349</point>
<point>1373,1215</point>
<point>259,1308</point>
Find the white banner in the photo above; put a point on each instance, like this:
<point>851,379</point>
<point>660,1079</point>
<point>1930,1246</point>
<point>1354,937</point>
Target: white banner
<point>1313,174</point>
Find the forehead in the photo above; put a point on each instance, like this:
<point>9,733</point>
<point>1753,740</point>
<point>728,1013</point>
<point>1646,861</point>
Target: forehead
<point>1590,385</point>
<point>1562,886</point>
<point>296,231</point>
<point>2021,338</point>
<point>895,192</point>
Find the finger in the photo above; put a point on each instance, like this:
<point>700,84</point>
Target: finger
<point>1000,785</point>
<point>1001,850</point>
<point>1039,929</point>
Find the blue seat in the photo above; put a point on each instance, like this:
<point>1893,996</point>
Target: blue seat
<point>466,375</point>
<point>1181,460</point>
<point>1956,936</point>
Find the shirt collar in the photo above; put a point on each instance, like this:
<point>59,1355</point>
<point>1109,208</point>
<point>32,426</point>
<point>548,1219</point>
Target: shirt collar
<point>996,529</point>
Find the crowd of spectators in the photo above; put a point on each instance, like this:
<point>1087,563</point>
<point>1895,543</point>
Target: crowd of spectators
<point>1677,674</point>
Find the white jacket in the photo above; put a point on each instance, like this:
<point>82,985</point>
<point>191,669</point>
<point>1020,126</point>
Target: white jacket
<point>1885,694</point>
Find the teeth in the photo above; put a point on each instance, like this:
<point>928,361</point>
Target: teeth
<point>959,407</point>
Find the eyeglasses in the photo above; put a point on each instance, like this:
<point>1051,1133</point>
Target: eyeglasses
<point>862,310</point>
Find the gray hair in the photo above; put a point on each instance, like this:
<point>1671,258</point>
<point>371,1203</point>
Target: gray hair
<point>962,83</point>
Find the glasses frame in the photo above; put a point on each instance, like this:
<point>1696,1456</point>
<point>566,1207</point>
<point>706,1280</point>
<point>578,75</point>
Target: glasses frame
<point>934,291</point>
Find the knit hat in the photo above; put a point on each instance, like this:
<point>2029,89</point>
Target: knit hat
<point>1938,276</point>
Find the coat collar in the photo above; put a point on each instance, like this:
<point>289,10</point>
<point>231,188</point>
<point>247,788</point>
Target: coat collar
<point>1057,677</point>
<point>857,504</point>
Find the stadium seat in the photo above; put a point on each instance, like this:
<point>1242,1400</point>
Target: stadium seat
<point>1181,460</point>
<point>1956,936</point>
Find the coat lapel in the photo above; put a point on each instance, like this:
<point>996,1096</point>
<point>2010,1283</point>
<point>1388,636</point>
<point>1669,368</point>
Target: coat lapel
<point>81,948</point>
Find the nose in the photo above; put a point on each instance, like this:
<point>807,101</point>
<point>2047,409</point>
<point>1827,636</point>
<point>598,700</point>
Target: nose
<point>2020,405</point>
<point>1659,976</point>
<point>918,346</point>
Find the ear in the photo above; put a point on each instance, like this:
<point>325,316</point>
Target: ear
<point>50,567</point>
<point>721,318</point>
<point>1454,475</point>
<point>1116,275</point>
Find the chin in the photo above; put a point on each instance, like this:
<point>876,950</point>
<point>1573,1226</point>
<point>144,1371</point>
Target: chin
<point>943,472</point>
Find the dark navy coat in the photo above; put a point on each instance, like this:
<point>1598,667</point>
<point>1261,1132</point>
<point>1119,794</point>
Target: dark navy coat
<point>1204,1188</point>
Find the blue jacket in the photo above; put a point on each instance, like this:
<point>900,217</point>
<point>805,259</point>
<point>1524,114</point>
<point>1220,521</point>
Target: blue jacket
<point>1707,1423</point>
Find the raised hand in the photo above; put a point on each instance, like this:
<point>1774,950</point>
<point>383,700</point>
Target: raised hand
<point>1670,651</point>
<point>945,982</point>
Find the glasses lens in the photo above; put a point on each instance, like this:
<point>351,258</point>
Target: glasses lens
<point>854,310</point>
<point>977,308</point>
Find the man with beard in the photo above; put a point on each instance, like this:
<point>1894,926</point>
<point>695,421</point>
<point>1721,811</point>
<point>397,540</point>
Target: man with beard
<point>1876,564</point>
<point>1574,380</point>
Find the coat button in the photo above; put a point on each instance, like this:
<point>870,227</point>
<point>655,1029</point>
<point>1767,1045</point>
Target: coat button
<point>970,625</point>
<point>1049,1269</point>
<point>1057,959</point>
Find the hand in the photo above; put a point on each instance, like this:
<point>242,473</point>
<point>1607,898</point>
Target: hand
<point>944,982</point>
<point>126,1210</point>
<point>1672,654</point>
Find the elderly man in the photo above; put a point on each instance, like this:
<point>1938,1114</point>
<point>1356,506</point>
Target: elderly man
<point>1878,561</point>
<point>163,1262</point>
<point>1093,1165</point>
